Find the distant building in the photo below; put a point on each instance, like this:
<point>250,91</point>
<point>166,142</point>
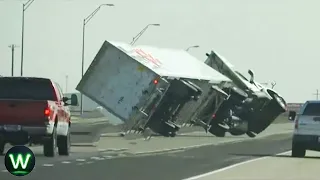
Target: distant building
<point>294,106</point>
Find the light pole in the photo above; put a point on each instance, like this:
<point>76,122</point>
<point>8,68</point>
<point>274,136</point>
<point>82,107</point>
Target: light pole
<point>67,82</point>
<point>195,46</point>
<point>135,39</point>
<point>12,47</point>
<point>24,8</point>
<point>85,22</point>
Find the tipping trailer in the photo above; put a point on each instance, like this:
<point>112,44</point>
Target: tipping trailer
<point>144,86</point>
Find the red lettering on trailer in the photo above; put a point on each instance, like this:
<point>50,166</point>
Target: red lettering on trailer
<point>148,57</point>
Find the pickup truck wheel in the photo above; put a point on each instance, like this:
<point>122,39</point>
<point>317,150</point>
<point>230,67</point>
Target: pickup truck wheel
<point>50,144</point>
<point>64,145</point>
<point>298,150</point>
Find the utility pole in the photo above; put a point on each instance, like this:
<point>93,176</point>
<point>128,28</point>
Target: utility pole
<point>317,94</point>
<point>67,77</point>
<point>24,8</point>
<point>85,22</point>
<point>135,39</point>
<point>12,47</point>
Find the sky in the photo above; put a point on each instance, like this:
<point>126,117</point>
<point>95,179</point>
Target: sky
<point>278,40</point>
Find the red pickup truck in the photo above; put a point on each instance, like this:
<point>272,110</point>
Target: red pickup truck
<point>34,111</point>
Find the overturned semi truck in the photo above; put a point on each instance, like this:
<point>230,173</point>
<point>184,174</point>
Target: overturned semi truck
<point>150,87</point>
<point>250,107</point>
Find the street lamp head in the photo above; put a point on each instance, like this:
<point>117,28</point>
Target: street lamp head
<point>106,5</point>
<point>196,46</point>
<point>154,24</point>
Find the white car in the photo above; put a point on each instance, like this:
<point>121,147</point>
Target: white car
<point>306,134</point>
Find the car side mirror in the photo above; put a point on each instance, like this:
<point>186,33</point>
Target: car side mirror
<point>65,99</point>
<point>74,100</point>
<point>292,115</point>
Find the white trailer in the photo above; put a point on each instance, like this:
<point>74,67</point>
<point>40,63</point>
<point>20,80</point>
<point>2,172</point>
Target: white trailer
<point>132,82</point>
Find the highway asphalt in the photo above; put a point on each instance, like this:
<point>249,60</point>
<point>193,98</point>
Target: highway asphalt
<point>84,164</point>
<point>281,166</point>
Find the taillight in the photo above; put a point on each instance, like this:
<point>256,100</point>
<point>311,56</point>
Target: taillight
<point>213,116</point>
<point>296,122</point>
<point>47,112</point>
<point>155,81</point>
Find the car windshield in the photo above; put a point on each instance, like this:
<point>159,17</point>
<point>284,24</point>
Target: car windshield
<point>312,109</point>
<point>26,88</point>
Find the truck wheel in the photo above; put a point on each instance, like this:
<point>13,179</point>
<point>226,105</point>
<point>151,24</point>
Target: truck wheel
<point>50,144</point>
<point>172,134</point>
<point>251,134</point>
<point>236,132</point>
<point>217,131</point>
<point>64,145</point>
<point>298,150</point>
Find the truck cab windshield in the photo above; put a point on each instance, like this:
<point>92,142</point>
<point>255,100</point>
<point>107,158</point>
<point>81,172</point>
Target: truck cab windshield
<point>26,89</point>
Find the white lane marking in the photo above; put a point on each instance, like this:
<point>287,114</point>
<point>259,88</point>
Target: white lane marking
<point>94,157</point>
<point>65,162</point>
<point>231,166</point>
<point>79,164</point>
<point>97,158</point>
<point>80,160</point>
<point>47,165</point>
<point>108,157</point>
<point>4,170</point>
<point>89,162</point>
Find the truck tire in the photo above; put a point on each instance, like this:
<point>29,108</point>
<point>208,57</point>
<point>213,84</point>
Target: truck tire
<point>236,132</point>
<point>218,131</point>
<point>251,134</point>
<point>63,143</point>
<point>298,150</point>
<point>50,144</point>
<point>172,134</point>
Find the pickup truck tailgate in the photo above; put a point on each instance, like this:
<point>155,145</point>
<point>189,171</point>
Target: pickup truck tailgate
<point>22,111</point>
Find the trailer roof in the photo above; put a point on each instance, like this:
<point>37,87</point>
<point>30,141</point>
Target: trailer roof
<point>166,62</point>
